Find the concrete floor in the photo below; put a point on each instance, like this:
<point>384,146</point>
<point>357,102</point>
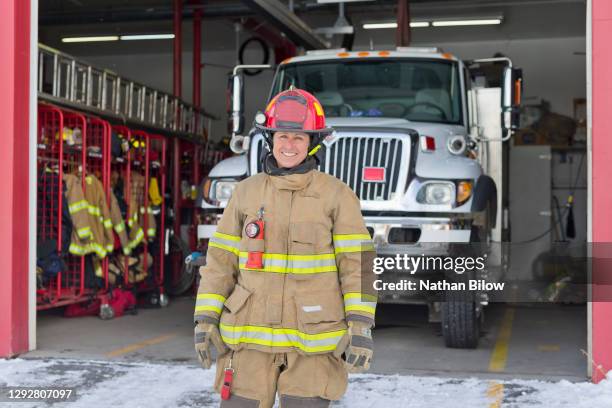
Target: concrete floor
<point>530,342</point>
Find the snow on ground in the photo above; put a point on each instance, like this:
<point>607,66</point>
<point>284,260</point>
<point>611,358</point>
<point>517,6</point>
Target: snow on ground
<point>134,385</point>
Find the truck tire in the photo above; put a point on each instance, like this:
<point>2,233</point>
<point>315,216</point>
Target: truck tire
<point>460,317</point>
<point>460,320</point>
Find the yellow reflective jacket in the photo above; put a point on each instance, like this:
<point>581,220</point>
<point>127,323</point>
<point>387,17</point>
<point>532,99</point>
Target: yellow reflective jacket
<point>78,209</point>
<point>100,218</point>
<point>315,248</point>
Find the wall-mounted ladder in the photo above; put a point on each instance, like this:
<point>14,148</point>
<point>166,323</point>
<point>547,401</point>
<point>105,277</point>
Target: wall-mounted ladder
<point>66,80</point>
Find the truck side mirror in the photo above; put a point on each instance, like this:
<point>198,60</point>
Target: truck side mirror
<point>511,98</point>
<point>236,103</point>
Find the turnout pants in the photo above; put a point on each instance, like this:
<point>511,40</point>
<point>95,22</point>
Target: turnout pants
<point>301,381</point>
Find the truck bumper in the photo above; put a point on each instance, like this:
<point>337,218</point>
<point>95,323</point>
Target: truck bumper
<point>414,236</point>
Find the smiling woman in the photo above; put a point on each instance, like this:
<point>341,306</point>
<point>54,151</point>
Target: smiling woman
<point>289,148</point>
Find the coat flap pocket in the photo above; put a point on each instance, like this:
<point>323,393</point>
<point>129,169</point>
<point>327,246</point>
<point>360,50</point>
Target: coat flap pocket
<point>303,232</point>
<point>317,307</point>
<point>237,299</point>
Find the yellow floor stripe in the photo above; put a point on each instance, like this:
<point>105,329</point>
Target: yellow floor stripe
<point>500,352</point>
<point>495,392</point>
<point>138,346</point>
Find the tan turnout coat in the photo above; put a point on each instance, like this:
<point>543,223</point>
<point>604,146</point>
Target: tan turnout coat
<point>316,252</point>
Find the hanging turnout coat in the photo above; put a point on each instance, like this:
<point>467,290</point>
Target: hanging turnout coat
<point>317,251</point>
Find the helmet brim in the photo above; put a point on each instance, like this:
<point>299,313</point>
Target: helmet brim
<point>324,131</point>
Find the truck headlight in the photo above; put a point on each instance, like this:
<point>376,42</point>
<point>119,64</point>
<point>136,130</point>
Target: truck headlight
<point>224,189</point>
<point>437,193</point>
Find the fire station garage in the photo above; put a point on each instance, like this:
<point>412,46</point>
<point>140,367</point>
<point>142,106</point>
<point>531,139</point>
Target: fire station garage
<point>473,134</point>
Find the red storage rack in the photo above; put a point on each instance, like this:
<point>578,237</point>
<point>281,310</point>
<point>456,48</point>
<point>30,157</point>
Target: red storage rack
<point>157,146</point>
<point>55,157</point>
<point>136,163</point>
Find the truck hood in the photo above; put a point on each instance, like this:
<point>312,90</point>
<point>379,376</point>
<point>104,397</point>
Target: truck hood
<point>427,128</point>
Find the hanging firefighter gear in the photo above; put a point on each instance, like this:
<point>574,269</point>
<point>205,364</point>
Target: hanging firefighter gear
<point>78,209</point>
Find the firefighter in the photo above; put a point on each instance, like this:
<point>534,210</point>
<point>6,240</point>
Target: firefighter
<point>283,296</point>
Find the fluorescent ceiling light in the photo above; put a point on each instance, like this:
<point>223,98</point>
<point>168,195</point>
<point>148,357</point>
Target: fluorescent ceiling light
<point>147,37</point>
<point>413,24</point>
<point>90,39</point>
<point>418,24</point>
<point>374,26</point>
<point>451,23</point>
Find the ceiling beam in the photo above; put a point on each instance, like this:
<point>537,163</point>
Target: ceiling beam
<point>288,23</point>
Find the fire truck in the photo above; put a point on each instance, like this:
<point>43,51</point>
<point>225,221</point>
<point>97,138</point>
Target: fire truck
<point>420,136</point>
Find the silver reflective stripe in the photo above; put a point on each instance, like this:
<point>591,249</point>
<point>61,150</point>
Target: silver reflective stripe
<point>288,264</point>
<point>225,241</point>
<point>357,302</point>
<point>279,337</point>
<point>209,304</point>
<point>352,243</point>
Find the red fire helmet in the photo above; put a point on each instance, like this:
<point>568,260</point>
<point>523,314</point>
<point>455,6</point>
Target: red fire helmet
<point>294,110</point>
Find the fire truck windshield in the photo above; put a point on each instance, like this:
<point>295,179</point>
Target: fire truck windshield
<point>413,89</point>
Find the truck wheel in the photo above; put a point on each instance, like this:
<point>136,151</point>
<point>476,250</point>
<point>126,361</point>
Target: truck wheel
<point>460,314</point>
<point>460,321</point>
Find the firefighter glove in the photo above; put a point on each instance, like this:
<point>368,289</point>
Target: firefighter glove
<point>205,334</point>
<point>359,346</point>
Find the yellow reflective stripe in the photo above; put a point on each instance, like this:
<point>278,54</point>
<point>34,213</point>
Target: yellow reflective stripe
<point>281,337</point>
<point>78,206</point>
<point>139,236</point>
<point>84,232</point>
<point>208,308</point>
<point>93,210</point>
<point>120,227</point>
<point>227,236</point>
<point>281,269</point>
<point>98,249</point>
<point>211,296</point>
<point>77,249</point>
<point>151,232</point>
<point>296,264</point>
<point>228,248</point>
<point>359,302</point>
<point>109,248</point>
<point>351,237</point>
<point>108,223</point>
<point>352,243</point>
<point>360,308</point>
<point>224,241</point>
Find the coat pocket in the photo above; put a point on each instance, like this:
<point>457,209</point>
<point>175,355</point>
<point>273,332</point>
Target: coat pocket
<point>236,313</point>
<point>319,312</point>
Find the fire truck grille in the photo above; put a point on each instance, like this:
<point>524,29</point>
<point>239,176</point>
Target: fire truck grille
<point>348,156</point>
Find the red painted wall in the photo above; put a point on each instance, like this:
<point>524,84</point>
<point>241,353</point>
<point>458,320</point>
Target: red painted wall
<point>602,184</point>
<point>14,134</point>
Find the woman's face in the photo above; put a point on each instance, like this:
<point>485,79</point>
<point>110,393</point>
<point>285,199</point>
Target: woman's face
<point>290,148</point>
